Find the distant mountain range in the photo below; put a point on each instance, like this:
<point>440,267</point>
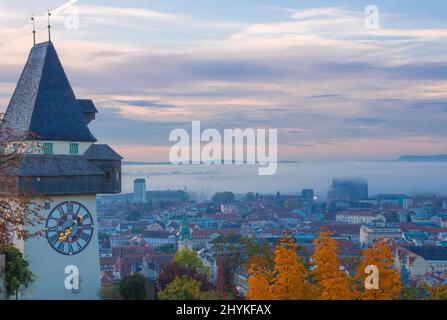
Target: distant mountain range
<point>436,157</point>
<point>142,163</point>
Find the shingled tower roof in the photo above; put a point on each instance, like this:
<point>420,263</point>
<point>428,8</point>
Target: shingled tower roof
<point>44,106</point>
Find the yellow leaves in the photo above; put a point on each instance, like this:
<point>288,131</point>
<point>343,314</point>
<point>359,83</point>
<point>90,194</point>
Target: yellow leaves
<point>330,281</point>
<point>390,286</point>
<point>259,286</point>
<point>289,279</point>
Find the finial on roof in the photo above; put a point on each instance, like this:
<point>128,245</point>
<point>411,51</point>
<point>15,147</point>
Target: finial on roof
<point>49,26</point>
<point>34,29</point>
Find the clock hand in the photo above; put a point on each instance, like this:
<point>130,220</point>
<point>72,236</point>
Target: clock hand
<point>64,235</point>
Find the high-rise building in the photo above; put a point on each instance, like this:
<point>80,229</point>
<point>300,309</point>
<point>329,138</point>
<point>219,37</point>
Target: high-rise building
<point>65,174</point>
<point>307,195</point>
<point>139,191</point>
<point>349,189</point>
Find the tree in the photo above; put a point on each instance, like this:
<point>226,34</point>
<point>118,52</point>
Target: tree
<point>183,288</point>
<point>169,272</point>
<point>133,287</point>
<point>257,255</point>
<point>351,264</point>
<point>259,269</point>
<point>17,272</point>
<point>390,286</point>
<point>290,278</point>
<point>110,293</point>
<point>259,283</point>
<point>223,197</point>
<point>188,258</point>
<point>331,282</point>
<point>438,293</point>
<point>412,293</point>
<point>18,210</point>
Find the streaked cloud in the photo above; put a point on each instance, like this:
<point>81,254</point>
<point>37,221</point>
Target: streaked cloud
<point>330,86</point>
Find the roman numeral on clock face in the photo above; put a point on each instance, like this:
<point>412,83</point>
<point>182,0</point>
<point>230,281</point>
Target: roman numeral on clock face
<point>85,237</point>
<point>69,207</point>
<point>69,228</point>
<point>61,246</point>
<point>54,238</point>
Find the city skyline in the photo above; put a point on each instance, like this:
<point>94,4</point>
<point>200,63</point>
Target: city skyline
<point>333,88</point>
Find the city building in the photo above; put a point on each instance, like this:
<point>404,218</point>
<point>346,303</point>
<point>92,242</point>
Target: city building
<point>307,195</point>
<point>159,238</point>
<point>407,203</point>
<point>420,260</point>
<point>370,234</point>
<point>359,217</point>
<point>348,189</point>
<point>69,169</point>
<point>139,191</point>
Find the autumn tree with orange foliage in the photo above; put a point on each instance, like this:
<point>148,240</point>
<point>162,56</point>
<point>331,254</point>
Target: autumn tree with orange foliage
<point>259,283</point>
<point>286,280</point>
<point>289,274</point>
<point>331,283</point>
<point>389,285</point>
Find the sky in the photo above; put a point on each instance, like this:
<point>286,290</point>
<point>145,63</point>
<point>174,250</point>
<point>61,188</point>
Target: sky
<point>334,89</point>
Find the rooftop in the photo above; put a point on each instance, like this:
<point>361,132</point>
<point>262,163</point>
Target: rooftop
<point>101,152</point>
<point>430,253</point>
<point>43,106</point>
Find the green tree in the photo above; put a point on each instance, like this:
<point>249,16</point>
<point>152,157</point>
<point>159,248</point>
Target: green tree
<point>184,288</point>
<point>438,293</point>
<point>18,274</point>
<point>134,287</point>
<point>187,258</point>
<point>223,197</point>
<point>413,293</point>
<point>110,293</point>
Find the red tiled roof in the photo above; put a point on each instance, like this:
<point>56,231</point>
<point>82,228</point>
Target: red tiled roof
<point>344,228</point>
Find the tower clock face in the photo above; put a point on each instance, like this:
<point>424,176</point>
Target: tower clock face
<point>69,228</point>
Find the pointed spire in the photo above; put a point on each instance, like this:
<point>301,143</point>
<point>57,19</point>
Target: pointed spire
<point>49,26</point>
<point>34,29</point>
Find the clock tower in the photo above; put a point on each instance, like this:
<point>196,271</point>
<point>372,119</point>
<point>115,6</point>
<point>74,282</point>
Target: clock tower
<point>64,175</point>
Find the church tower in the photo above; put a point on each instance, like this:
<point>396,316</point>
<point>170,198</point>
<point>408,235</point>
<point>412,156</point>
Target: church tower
<point>64,175</point>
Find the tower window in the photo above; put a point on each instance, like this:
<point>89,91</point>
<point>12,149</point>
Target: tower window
<point>74,148</point>
<point>47,148</point>
<point>108,177</point>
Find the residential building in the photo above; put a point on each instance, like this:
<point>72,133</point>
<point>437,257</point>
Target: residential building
<point>370,234</point>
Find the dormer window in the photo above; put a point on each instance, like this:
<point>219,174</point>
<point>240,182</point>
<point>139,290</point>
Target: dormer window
<point>47,148</point>
<point>74,148</point>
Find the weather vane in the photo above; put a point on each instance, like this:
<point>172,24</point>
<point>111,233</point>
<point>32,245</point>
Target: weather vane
<point>34,29</point>
<point>49,26</point>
